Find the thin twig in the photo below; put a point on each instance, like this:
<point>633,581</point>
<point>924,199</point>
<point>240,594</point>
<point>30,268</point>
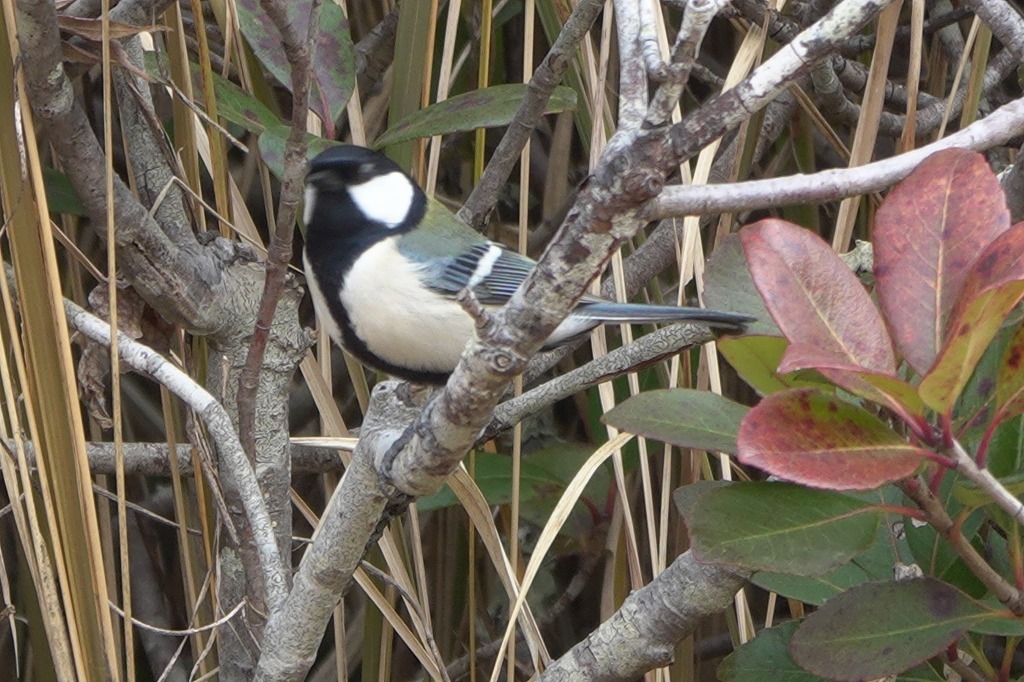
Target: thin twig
<point>996,129</point>
<point>547,76</point>
<point>218,425</point>
<point>300,56</point>
<point>937,516</point>
<point>180,633</point>
<point>988,483</point>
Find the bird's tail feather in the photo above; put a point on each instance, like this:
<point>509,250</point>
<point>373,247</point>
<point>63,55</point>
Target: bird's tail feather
<point>636,313</point>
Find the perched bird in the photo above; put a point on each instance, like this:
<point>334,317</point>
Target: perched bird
<point>384,264</point>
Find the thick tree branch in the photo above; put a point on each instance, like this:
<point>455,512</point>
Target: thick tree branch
<point>1005,21</point>
<point>643,633</point>
<point>179,278</point>
<point>219,426</point>
<point>630,172</point>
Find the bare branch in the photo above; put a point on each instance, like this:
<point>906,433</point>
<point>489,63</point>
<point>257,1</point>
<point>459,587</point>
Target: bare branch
<point>547,76</point>
<point>643,633</point>
<point>179,278</point>
<point>996,129</point>
<point>1005,21</point>
<point>154,459</point>
<point>218,425</point>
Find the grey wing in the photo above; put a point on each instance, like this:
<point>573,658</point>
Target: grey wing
<point>492,271</point>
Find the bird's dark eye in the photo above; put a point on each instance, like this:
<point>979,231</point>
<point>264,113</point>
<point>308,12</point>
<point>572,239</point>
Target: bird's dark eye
<point>367,171</point>
<point>325,181</point>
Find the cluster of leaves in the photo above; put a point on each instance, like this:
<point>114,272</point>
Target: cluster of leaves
<point>334,82</point>
<point>860,400</point>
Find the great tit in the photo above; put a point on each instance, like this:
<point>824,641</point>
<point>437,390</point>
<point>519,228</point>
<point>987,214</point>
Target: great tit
<point>384,264</point>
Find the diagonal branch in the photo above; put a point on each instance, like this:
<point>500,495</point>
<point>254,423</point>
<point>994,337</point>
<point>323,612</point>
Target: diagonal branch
<point>176,275</point>
<point>629,173</point>
<point>544,81</point>
<point>218,425</point>
<point>643,633</point>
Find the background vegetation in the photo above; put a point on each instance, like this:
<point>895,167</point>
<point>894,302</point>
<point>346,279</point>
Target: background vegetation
<point>177,132</point>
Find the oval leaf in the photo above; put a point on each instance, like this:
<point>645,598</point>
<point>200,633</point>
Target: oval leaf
<point>681,416</point>
<point>928,232</point>
<point>993,287</point>
<point>810,437</point>
<point>756,360</point>
<point>728,286</point>
<point>334,61</point>
<point>781,527</point>
<point>882,389</point>
<point>485,108</point>
<point>766,657</point>
<point>814,297</point>
<point>880,629</point>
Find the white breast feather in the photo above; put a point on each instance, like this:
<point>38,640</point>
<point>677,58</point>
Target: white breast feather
<point>398,319</point>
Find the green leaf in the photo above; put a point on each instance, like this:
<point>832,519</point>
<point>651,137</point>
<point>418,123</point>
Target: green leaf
<point>875,563</point>
<point>60,195</point>
<point>485,108</point>
<point>687,497</point>
<point>334,63</point>
<point>781,527</point>
<point>681,416</point>
<point>728,286</point>
<point>756,360</point>
<point>880,629</point>
<point>766,657</point>
<point>239,107</point>
<point>810,437</point>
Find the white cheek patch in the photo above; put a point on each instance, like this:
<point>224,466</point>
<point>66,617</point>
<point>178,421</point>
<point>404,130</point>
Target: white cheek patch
<point>484,266</point>
<point>307,212</point>
<point>385,199</point>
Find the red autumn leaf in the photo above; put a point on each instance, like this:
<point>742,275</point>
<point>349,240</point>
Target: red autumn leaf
<point>809,437</point>
<point>928,232</point>
<point>993,287</point>
<point>814,297</point>
<point>883,389</point>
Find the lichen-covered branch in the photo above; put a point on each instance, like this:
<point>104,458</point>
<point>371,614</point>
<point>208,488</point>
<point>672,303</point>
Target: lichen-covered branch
<point>643,633</point>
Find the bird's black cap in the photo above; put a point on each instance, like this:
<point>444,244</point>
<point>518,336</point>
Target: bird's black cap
<point>355,164</point>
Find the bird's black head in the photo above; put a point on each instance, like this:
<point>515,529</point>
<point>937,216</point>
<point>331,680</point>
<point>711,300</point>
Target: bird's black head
<point>353,189</point>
